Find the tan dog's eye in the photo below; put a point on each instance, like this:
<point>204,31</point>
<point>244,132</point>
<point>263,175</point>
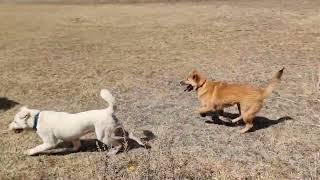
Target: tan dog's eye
<point>195,77</point>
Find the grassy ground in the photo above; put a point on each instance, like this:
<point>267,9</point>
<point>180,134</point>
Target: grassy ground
<point>58,57</point>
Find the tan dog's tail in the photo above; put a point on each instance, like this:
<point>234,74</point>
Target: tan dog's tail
<point>107,96</point>
<point>272,84</point>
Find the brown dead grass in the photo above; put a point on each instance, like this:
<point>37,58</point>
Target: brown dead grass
<point>58,57</point>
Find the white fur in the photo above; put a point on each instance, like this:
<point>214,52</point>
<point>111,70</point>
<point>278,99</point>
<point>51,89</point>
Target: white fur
<point>54,126</point>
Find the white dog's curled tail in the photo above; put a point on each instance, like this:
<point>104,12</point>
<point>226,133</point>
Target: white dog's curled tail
<point>107,96</point>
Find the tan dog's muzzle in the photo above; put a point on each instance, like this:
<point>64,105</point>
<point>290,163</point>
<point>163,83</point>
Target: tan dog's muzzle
<point>189,86</point>
<point>183,83</point>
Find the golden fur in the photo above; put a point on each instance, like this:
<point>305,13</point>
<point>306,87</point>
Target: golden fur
<point>216,95</point>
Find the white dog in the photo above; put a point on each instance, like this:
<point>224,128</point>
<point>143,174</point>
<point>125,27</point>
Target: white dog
<point>53,127</point>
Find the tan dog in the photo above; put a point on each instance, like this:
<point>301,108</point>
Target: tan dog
<point>216,95</point>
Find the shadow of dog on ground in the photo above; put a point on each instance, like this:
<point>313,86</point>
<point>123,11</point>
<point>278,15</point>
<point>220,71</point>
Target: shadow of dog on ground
<point>263,122</point>
<point>6,104</point>
<point>259,121</point>
<point>94,145</point>
<point>214,116</point>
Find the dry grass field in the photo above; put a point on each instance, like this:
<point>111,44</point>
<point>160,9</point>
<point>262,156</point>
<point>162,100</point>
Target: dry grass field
<point>59,56</point>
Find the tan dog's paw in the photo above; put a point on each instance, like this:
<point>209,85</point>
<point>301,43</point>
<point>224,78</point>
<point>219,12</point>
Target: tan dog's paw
<point>202,111</point>
<point>197,112</point>
<point>242,131</point>
<point>202,114</point>
<point>246,129</point>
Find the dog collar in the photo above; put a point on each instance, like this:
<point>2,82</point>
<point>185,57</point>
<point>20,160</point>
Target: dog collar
<point>201,84</point>
<point>35,122</point>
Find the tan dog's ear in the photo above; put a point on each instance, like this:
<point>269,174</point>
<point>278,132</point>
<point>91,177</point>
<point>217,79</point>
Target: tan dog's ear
<point>199,78</point>
<point>195,77</point>
<point>194,71</point>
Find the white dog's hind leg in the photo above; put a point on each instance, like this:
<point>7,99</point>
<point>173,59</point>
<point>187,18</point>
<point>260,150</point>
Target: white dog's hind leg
<point>131,136</point>
<point>117,137</point>
<point>99,133</point>
<point>106,138</point>
<point>114,150</point>
<point>41,148</point>
<point>76,145</point>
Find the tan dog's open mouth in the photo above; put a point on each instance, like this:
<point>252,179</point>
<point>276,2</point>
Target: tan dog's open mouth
<point>189,86</point>
<point>17,130</point>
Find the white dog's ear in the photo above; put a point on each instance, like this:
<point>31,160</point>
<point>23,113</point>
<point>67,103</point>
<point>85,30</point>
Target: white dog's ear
<point>24,114</point>
<point>24,108</point>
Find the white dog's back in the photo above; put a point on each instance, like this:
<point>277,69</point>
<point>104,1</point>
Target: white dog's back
<point>67,126</point>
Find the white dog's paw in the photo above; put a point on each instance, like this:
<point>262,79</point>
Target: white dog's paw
<point>112,152</point>
<point>29,152</point>
<point>109,154</point>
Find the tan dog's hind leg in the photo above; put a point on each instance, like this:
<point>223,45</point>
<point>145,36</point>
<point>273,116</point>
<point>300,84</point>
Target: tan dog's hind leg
<point>247,128</point>
<point>248,117</point>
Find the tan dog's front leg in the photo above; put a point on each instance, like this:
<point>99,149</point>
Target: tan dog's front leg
<point>221,116</point>
<point>240,114</point>
<point>237,119</point>
<point>204,110</point>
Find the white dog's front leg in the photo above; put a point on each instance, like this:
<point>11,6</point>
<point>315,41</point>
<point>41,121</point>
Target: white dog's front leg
<point>40,148</point>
